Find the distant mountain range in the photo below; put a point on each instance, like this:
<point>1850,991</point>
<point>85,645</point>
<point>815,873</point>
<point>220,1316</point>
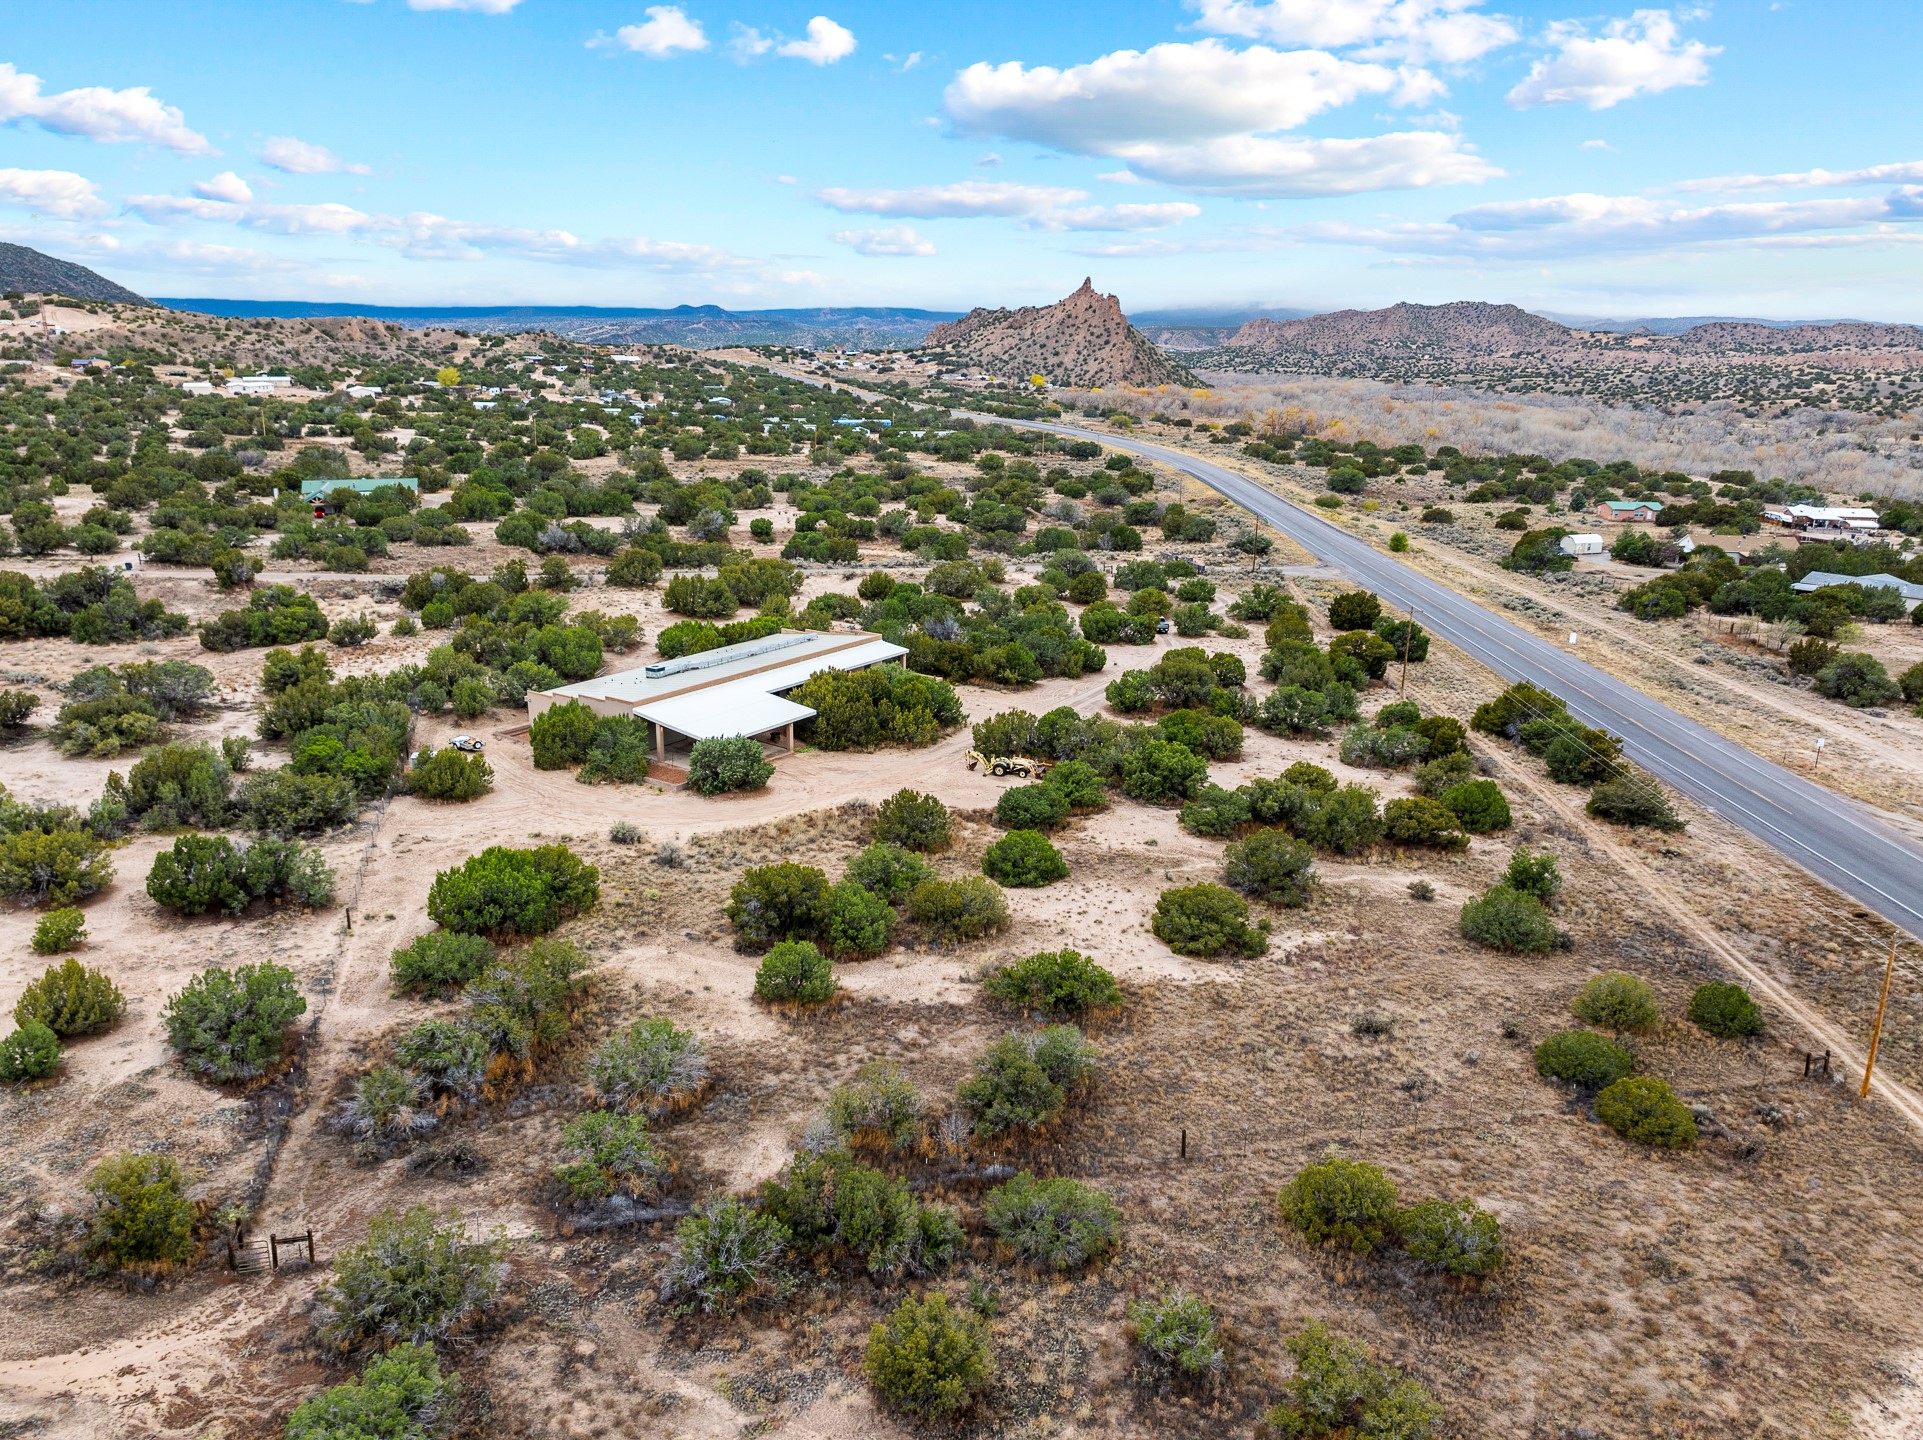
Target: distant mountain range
<point>1677,324</point>
<point>1473,330</point>
<point>33,273</point>
<point>696,326</point>
<point>1082,340</point>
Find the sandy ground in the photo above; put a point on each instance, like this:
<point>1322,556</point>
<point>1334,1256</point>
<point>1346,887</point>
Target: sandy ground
<point>1759,1285</point>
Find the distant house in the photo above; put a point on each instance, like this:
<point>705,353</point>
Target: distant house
<point>1832,521</point>
<point>197,387</point>
<point>1582,544</point>
<point>257,384</point>
<point>314,489</point>
<point>1642,511</point>
<point>1817,579</point>
<point>363,392</point>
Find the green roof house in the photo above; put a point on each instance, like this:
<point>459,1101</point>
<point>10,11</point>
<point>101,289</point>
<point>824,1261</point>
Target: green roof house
<point>313,489</point>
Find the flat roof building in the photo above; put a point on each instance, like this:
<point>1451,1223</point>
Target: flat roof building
<point>734,690</point>
<point>367,485</point>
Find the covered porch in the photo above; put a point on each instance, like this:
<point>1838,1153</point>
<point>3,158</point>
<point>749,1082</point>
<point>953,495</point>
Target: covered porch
<point>716,714</point>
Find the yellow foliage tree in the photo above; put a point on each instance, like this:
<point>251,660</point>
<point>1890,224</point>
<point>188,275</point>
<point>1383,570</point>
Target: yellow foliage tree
<point>448,375</point>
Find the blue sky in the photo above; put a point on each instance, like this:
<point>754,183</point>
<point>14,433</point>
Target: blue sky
<point>1745,158</point>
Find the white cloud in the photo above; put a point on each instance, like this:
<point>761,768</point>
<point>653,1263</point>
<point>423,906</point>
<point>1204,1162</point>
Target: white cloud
<point>904,63</point>
<point>298,157</point>
<point>748,42</point>
<point>1597,145</point>
<point>330,218</point>
<point>422,235</point>
<point>225,186</point>
<point>479,7</point>
<point>1909,172</point>
<point>965,198</point>
<point>1169,93</point>
<point>94,112</point>
<point>1642,55</point>
<point>50,192</point>
<point>1120,177</point>
<point>1117,217</point>
<point>991,158</point>
<point>1588,225</point>
<point>667,31</point>
<point>826,42</point>
<point>1449,31</point>
<point>1255,167</point>
<point>889,240</point>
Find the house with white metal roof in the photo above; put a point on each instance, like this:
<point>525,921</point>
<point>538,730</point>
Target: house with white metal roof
<point>734,690</point>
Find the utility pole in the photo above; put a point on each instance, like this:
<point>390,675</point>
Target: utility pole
<point>1876,1035</point>
<point>1408,639</point>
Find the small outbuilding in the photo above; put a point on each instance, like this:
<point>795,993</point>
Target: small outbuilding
<point>1582,544</point>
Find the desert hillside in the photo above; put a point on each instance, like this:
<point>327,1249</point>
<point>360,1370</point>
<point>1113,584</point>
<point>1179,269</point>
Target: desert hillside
<point>1082,340</point>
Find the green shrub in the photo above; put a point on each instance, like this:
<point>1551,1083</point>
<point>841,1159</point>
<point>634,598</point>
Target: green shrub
<point>1206,920</point>
<point>1337,1390</point>
<point>448,774</point>
<point>1535,875</point>
<point>827,1200</point>
<point>386,1102</point>
<point>142,1215</point>
<point>69,999</point>
<point>1457,1237</point>
<point>723,1253</point>
<point>888,871</point>
<point>1271,866</point>
<point>1032,807</point>
<point>1616,1001</point>
<point>1344,821</point>
<point>952,910</point>
<point>1417,820</point>
<point>1438,776</point>
<point>618,753</point>
<point>285,802</point>
<point>401,1395</point>
<point>47,858</point>
<point>879,1101</point>
<point>1857,680</point>
<point>1056,982</point>
<point>1354,610</point>
<point>560,735</point>
<point>1508,920</point>
<point>1349,1202</point>
<point>612,1153</point>
<point>1078,783</point>
<point>1644,1109</point>
<point>795,970</point>
<point>860,922</point>
<point>913,821</point>
<point>778,902</point>
<point>440,960</point>
<point>415,1278</point>
<point>31,1052</point>
<point>1024,858</point>
<point>928,1361</point>
<point>174,786</point>
<point>650,1065</point>
<point>1162,771</point>
<point>232,1024</point>
<point>1478,806</point>
<point>1177,1333</point>
<point>509,892</point>
<point>728,763</point>
<point>1058,1224</point>
<point>59,931</point>
<point>1023,1079</point>
<point>15,707</point>
<point>1725,1010</point>
<point>1633,800</point>
<point>448,1056</point>
<point>1584,1059</point>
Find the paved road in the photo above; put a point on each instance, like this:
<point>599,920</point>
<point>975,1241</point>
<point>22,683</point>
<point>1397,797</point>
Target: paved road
<point>1835,840</point>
